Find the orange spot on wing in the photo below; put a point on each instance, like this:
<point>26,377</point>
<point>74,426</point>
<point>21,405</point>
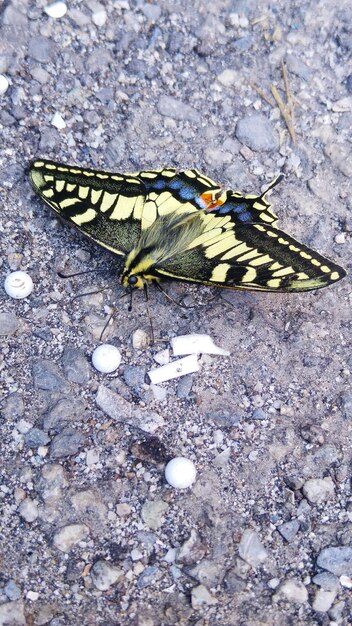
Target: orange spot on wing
<point>211,200</point>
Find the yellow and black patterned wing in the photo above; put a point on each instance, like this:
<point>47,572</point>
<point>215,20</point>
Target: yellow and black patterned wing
<point>106,207</point>
<point>233,250</point>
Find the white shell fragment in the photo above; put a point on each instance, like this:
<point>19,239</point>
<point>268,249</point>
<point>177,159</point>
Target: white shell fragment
<point>4,84</point>
<point>180,472</point>
<point>56,9</point>
<point>196,344</point>
<point>106,358</point>
<point>58,121</point>
<point>18,285</point>
<point>187,365</point>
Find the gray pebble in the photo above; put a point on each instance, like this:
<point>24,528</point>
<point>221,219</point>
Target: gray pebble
<point>289,530</point>
<point>49,139</point>
<point>318,490</point>
<point>67,536</point>
<point>233,583</point>
<point>28,509</point>
<point>327,581</point>
<point>151,11</point>
<point>341,156</point>
<point>336,559</point>
<point>153,512</point>
<point>293,590</point>
<point>148,576</point>
<point>64,412</point>
<point>67,443</point>
<point>178,110</point>
<point>184,386</point>
<point>256,132</point>
<point>41,49</point>
<point>298,67</point>
<point>104,574</point>
<point>251,548</point>
<point>259,414</point>
<point>134,376</point>
<point>349,83</point>
<point>8,324</point>
<point>12,614</point>
<point>75,365</point>
<point>323,600</point>
<point>13,406</point>
<point>47,376</point>
<point>36,437</point>
<point>224,418</point>
<point>99,59</point>
<point>52,482</point>
<point>12,590</point>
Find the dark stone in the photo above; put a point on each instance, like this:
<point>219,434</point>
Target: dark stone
<point>41,49</point>
<point>46,375</point>
<point>151,450</point>
<point>184,386</point>
<point>75,365</point>
<point>134,376</point>
<point>66,444</point>
<point>36,437</point>
<point>63,413</point>
<point>13,406</point>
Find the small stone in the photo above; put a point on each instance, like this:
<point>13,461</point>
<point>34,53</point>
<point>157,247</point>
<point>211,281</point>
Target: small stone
<point>32,595</point>
<point>151,11</point>
<point>58,121</point>
<point>228,78</point>
<point>63,413</point>
<point>68,536</point>
<point>12,590</point>
<point>148,576</point>
<point>36,437</point>
<point>28,509</point>
<point>13,406</point>
<point>159,393</point>
<point>56,9</point>
<point>192,550</point>
<point>162,357</point>
<point>341,156</point>
<point>47,376</point>
<point>52,483</point>
<point>105,574</point>
<point>337,560</point>
<point>67,443</point>
<point>201,597</point>
<point>140,339</point>
<point>75,365</point>
<point>4,84</point>
<point>251,549</point>
<point>8,324</point>
<point>256,132</point>
<point>340,238</point>
<point>323,600</point>
<point>153,513</point>
<point>318,490</point>
<point>293,590</point>
<point>92,457</point>
<point>222,459</point>
<point>99,17</point>
<point>12,614</point>
<point>289,530</point>
<point>23,426</point>
<point>176,109</point>
<point>327,581</point>
<point>41,49</point>
<point>123,509</point>
<point>134,376</point>
<point>346,581</point>
<point>184,386</point>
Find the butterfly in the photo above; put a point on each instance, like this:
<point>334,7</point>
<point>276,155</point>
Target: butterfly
<point>182,225</point>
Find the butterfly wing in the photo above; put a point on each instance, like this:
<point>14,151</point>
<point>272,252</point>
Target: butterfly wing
<point>106,207</point>
<point>238,249</point>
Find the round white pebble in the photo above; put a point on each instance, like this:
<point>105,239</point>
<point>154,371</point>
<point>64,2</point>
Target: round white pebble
<point>106,358</point>
<point>56,9</point>
<point>18,285</point>
<point>4,84</point>
<point>180,472</point>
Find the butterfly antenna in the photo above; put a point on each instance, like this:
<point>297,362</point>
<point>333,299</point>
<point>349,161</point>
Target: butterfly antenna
<point>62,275</point>
<point>92,293</point>
<point>146,295</point>
<point>183,306</point>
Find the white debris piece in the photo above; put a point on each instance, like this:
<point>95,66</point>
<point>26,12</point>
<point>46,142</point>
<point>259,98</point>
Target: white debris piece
<point>18,285</point>
<point>162,357</point>
<point>196,344</point>
<point>187,365</point>
<point>180,472</point>
<point>58,121</point>
<point>4,84</point>
<point>106,358</point>
<point>56,9</point>
<point>99,17</point>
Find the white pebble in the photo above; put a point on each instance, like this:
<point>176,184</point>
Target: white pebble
<point>4,84</point>
<point>106,358</point>
<point>58,121</point>
<point>56,9</point>
<point>180,472</point>
<point>140,339</point>
<point>99,17</point>
<point>18,285</point>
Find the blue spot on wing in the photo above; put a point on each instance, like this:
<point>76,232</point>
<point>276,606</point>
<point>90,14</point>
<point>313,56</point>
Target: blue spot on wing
<point>175,183</point>
<point>159,184</point>
<point>187,193</point>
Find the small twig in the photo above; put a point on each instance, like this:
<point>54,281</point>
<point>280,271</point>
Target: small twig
<point>262,94</point>
<point>286,114</point>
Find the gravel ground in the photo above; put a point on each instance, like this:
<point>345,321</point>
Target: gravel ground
<point>90,531</point>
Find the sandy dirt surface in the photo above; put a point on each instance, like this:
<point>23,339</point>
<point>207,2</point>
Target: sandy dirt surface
<point>90,531</point>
